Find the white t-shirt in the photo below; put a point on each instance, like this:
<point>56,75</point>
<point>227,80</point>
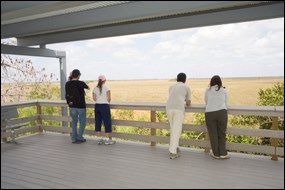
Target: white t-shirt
<point>178,93</point>
<point>101,98</point>
<point>216,100</point>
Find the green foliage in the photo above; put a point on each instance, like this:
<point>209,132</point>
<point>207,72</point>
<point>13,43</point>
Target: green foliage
<point>161,116</point>
<point>267,97</point>
<point>90,112</point>
<point>28,111</point>
<point>272,96</point>
<point>199,119</point>
<point>241,121</point>
<point>163,132</point>
<point>125,114</point>
<point>243,139</point>
<point>192,135</point>
<point>129,115</point>
<point>45,92</point>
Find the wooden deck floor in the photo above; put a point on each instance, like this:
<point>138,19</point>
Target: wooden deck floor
<point>50,160</point>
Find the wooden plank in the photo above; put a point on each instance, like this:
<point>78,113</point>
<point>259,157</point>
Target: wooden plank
<point>39,162</point>
<point>256,132</point>
<point>280,151</point>
<point>199,108</point>
<point>55,118</point>
<point>17,183</point>
<point>27,130</point>
<point>21,104</point>
<point>19,120</point>
<point>36,182</point>
<point>13,127</point>
<point>251,148</point>
<point>130,123</point>
<point>280,111</point>
<point>20,131</point>
<point>8,113</point>
<point>44,161</point>
<point>56,129</point>
<point>5,185</point>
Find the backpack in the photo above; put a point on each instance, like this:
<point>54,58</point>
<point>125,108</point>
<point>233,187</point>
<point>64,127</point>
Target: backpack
<point>71,93</point>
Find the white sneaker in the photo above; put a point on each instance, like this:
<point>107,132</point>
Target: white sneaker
<point>109,142</point>
<point>100,141</point>
<point>173,156</point>
<point>225,157</point>
<point>216,157</point>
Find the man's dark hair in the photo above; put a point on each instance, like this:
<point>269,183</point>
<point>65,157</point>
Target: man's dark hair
<point>181,77</point>
<point>74,74</point>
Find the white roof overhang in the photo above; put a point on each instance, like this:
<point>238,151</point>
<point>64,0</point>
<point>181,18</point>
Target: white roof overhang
<point>46,22</point>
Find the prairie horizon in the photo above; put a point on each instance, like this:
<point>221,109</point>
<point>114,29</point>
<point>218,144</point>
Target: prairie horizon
<point>242,90</point>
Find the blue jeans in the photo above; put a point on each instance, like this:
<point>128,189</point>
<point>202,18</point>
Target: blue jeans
<point>75,114</point>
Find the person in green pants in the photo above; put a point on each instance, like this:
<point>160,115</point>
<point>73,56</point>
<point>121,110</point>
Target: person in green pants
<point>216,97</point>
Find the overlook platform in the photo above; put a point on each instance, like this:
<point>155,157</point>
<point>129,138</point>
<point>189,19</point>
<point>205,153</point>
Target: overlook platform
<point>50,160</point>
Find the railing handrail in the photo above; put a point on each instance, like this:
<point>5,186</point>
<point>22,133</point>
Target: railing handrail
<point>277,111</point>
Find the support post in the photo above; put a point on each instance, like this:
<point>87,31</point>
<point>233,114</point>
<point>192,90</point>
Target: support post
<point>274,141</point>
<point>207,150</point>
<point>5,138</point>
<point>39,120</point>
<point>152,131</point>
<point>62,61</point>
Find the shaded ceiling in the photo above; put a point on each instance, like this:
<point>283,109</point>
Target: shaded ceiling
<point>46,22</point>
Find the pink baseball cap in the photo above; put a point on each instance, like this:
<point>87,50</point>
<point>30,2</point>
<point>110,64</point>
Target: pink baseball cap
<point>102,78</point>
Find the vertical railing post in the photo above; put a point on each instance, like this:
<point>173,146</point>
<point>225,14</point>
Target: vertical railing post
<point>39,120</point>
<point>207,150</point>
<point>152,131</point>
<point>274,141</point>
<point>70,124</point>
<point>5,138</point>
<point>62,67</point>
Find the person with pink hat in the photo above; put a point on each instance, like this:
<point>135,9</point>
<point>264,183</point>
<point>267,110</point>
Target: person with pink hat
<point>102,97</point>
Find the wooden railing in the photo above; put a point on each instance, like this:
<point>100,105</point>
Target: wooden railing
<point>276,112</point>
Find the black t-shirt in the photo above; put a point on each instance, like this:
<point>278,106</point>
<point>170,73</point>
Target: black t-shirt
<point>80,85</point>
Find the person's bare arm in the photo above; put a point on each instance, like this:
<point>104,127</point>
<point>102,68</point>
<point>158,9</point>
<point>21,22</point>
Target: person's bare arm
<point>109,96</point>
<point>94,96</point>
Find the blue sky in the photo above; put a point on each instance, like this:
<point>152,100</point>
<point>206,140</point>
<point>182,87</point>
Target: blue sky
<point>249,49</point>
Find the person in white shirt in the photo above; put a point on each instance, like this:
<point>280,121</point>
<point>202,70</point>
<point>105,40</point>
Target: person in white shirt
<point>102,97</point>
<point>179,93</point>
<point>216,98</point>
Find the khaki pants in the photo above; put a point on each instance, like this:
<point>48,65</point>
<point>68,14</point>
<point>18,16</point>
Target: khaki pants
<point>216,122</point>
<point>175,118</point>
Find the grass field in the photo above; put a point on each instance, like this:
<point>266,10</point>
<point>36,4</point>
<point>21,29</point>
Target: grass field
<point>242,91</point>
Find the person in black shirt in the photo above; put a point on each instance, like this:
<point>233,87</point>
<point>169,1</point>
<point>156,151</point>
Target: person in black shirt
<point>78,108</point>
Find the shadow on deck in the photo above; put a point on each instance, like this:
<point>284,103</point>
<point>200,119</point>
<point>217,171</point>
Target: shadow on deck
<point>50,160</point>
